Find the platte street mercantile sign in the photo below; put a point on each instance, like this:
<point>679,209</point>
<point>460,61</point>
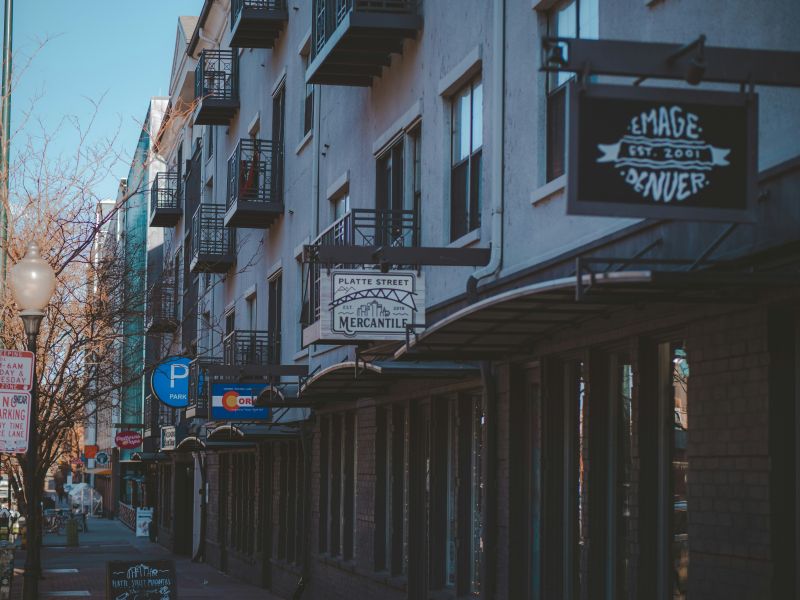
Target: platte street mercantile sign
<point>360,305</point>
<point>662,152</point>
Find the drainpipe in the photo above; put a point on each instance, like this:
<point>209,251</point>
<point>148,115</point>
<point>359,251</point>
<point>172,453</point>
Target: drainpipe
<point>498,148</point>
<point>488,577</point>
<point>315,162</point>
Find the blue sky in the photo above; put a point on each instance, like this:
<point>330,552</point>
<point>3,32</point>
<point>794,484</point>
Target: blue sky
<point>120,48</point>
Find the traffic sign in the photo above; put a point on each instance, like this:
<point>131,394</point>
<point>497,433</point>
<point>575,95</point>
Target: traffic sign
<point>170,381</point>
<point>16,370</point>
<point>14,421</point>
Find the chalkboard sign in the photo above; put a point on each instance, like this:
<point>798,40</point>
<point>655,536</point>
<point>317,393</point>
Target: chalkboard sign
<point>141,580</point>
<point>667,153</point>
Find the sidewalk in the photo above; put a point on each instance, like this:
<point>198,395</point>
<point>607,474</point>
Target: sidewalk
<point>80,572</point>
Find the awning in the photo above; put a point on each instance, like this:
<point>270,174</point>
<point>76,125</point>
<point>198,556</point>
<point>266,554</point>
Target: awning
<point>250,432</point>
<point>510,322</point>
<point>355,379</point>
<point>148,456</point>
<point>101,472</point>
<point>190,443</point>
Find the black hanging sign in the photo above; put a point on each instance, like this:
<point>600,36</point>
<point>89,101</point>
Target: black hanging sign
<point>141,580</point>
<point>662,152</point>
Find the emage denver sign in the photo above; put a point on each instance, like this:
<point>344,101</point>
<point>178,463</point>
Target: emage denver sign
<point>666,152</point>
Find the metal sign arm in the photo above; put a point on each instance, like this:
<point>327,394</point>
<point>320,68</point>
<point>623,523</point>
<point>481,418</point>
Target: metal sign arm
<point>692,62</point>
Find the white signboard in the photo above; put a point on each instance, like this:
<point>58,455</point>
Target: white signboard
<point>369,305</point>
<point>168,438</point>
<point>16,370</point>
<point>144,516</point>
<point>14,421</point>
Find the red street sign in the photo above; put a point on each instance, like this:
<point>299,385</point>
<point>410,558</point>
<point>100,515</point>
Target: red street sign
<point>90,451</point>
<point>14,421</point>
<point>128,440</point>
<point>16,370</point>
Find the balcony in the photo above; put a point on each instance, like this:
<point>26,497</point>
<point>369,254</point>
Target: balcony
<point>352,40</point>
<point>359,227</point>
<point>165,206</point>
<point>213,244</point>
<point>199,388</point>
<point>160,313</point>
<point>216,87</point>
<point>257,23</point>
<point>243,348</point>
<point>255,196</point>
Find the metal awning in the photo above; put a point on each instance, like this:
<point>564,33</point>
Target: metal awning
<point>191,443</point>
<point>356,379</point>
<point>148,456</point>
<point>250,432</point>
<point>511,322</point>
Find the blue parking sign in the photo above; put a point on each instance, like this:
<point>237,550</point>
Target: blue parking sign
<point>170,381</point>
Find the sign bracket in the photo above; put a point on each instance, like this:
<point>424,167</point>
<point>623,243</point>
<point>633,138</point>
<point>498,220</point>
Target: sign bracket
<point>693,62</point>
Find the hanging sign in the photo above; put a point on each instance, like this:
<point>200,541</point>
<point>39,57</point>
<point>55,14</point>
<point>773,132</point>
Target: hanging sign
<point>101,459</point>
<point>358,306</point>
<point>168,438</point>
<point>237,401</point>
<point>169,381</point>
<point>90,451</point>
<point>128,440</point>
<point>16,370</point>
<point>14,422</point>
<point>144,515</point>
<point>662,152</point>
<point>126,580</point>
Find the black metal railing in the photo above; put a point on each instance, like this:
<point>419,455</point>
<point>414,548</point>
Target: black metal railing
<point>149,417</point>
<point>216,75</point>
<point>247,347</point>
<point>358,227</point>
<point>254,172</point>
<point>165,191</point>
<point>237,6</point>
<point>161,306</point>
<point>328,14</point>
<point>210,237</point>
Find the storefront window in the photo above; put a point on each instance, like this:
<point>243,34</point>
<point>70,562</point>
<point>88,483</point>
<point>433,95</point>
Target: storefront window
<point>679,472</point>
<point>452,477</point>
<point>627,499</point>
<point>582,480</point>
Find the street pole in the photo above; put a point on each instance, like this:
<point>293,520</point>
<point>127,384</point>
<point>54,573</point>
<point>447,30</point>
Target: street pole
<point>5,138</point>
<point>30,590</point>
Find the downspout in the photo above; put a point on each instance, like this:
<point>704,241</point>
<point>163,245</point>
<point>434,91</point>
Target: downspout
<point>498,149</point>
<point>315,163</point>
<point>489,575</point>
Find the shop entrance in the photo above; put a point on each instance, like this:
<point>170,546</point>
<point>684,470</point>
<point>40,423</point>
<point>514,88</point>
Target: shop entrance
<point>184,507</point>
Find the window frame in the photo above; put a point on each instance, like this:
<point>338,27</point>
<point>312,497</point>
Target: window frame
<point>471,205</point>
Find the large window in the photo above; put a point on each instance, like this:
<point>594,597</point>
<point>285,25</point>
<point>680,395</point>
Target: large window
<point>571,19</point>
<point>391,490</point>
<point>275,311</point>
<point>291,524</point>
<point>279,136</point>
<point>466,146</point>
<point>241,514</point>
<point>337,485</point>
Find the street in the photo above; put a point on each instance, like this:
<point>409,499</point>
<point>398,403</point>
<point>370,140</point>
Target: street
<point>79,572</point>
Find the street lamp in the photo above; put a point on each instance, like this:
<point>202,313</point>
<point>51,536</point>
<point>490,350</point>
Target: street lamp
<point>32,283</point>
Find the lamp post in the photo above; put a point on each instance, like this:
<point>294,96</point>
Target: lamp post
<point>32,283</point>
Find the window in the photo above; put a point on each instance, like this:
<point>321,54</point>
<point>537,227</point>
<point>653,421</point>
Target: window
<point>308,102</point>
<point>230,321</point>
<point>291,498</point>
<point>209,141</point>
<point>391,496</point>
<point>278,136</point>
<point>337,485</point>
<point>252,314</point>
<point>275,311</point>
<point>570,18</point>
<point>205,333</point>
<point>341,206</point>
<point>674,377</point>
<point>389,197</point>
<point>463,551</point>
<point>241,514</point>
<point>465,172</point>
<point>623,495</point>
<point>415,141</point>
